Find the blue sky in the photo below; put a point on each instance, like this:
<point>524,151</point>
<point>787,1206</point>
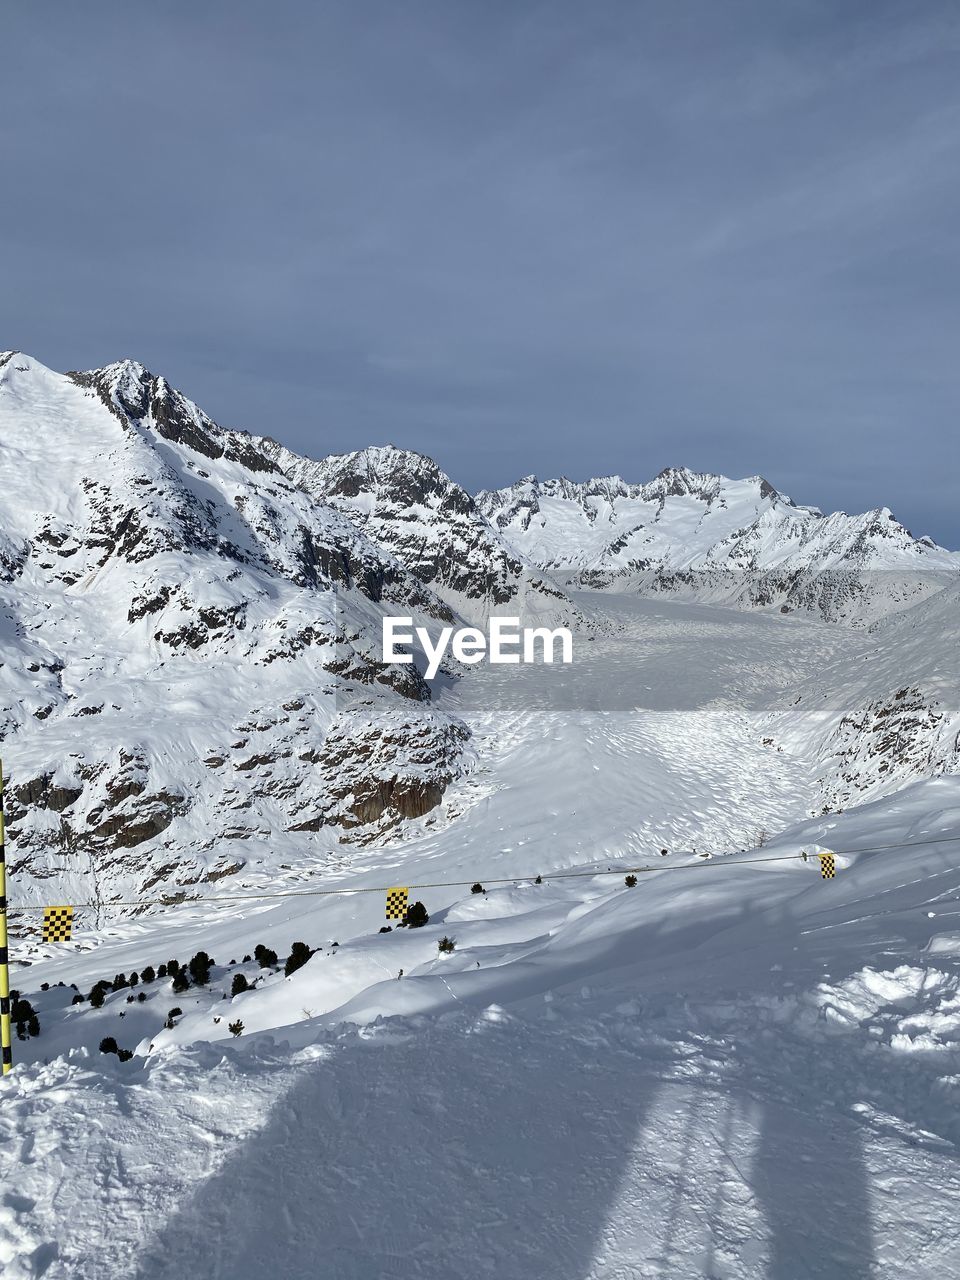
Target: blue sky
<point>554,238</point>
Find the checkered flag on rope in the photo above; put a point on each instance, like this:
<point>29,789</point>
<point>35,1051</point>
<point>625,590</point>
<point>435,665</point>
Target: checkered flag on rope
<point>397,902</point>
<point>57,924</point>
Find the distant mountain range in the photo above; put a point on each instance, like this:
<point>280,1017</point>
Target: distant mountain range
<point>732,541</point>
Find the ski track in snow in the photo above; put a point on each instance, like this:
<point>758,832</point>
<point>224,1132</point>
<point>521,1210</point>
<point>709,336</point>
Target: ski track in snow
<point>730,1072</point>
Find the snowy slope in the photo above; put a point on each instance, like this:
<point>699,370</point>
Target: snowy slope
<point>712,538</point>
<point>600,1081</point>
<point>886,712</point>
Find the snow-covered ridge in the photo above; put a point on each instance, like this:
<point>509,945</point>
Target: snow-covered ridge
<point>735,541</point>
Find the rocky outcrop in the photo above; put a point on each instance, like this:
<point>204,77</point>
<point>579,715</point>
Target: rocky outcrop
<point>405,503</point>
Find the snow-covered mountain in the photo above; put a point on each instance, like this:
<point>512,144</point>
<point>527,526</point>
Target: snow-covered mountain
<point>405,503</point>
<point>190,622</point>
<point>728,541</point>
<point>191,709</point>
<point>190,645</point>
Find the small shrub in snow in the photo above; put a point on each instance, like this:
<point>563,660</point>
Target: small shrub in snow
<point>134,979</point>
<point>108,1045</point>
<point>416,916</point>
<point>181,982</point>
<point>129,999</point>
<point>44,986</point>
<point>124,1054</point>
<point>630,881</point>
<point>239,984</point>
<point>247,959</point>
<point>264,956</point>
<point>446,945</point>
<point>386,928</point>
<point>98,995</point>
<point>539,880</point>
<point>235,1028</point>
<point>663,853</point>
<point>476,888</point>
<point>162,971</point>
<point>142,996</point>
<point>120,981</point>
<point>77,999</point>
<point>23,1014</point>
<point>300,953</point>
<point>175,1012</point>
<point>148,974</point>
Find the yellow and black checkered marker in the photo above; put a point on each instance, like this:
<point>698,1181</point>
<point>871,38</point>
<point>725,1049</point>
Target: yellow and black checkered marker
<point>57,924</point>
<point>397,902</point>
<point>828,868</point>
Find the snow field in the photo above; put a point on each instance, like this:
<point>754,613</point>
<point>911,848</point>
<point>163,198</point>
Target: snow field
<point>734,1071</point>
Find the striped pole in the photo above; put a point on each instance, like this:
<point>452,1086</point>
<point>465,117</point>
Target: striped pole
<point>6,1044</point>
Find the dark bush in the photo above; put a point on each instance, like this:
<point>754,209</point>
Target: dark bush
<point>134,979</point>
<point>119,981</point>
<point>200,967</point>
<point>130,999</point>
<point>476,888</point>
<point>386,929</point>
<point>44,986</point>
<point>108,1045</point>
<point>172,967</point>
<point>247,959</point>
<point>161,971</point>
<point>239,984</point>
<point>265,957</point>
<point>98,995</point>
<point>23,1014</point>
<point>124,1054</point>
<point>20,1010</point>
<point>148,974</point>
<point>181,982</point>
<point>416,916</point>
<point>539,880</point>
<point>141,997</point>
<point>300,953</point>
<point>235,1028</point>
<point>663,853</point>
<point>77,999</point>
<point>630,881</point>
<point>446,945</point>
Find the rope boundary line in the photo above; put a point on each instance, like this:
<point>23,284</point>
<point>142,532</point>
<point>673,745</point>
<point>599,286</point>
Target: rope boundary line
<point>722,860</point>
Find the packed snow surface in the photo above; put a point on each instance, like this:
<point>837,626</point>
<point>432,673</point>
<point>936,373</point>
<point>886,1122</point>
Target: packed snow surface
<point>735,1069</point>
